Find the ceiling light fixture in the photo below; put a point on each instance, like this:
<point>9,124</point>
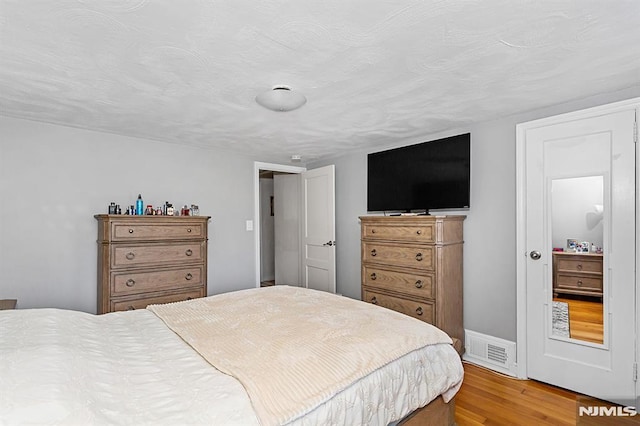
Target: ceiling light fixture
<point>281,98</point>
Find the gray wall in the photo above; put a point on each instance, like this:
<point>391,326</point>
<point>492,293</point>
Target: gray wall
<point>573,210</point>
<point>53,179</point>
<point>490,227</point>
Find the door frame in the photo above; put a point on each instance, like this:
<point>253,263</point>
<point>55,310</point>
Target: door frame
<point>257,166</point>
<point>521,243</point>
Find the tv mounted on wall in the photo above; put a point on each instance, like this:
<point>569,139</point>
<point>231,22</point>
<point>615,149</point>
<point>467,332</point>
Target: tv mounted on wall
<point>429,175</point>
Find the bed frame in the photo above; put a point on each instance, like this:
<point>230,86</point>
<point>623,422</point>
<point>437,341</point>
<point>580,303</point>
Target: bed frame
<point>436,413</point>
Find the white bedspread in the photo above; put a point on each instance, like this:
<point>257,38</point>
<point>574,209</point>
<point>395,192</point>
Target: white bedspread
<point>70,368</point>
<point>294,348</point>
<point>66,367</point>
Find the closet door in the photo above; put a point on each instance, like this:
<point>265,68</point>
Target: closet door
<point>577,192</point>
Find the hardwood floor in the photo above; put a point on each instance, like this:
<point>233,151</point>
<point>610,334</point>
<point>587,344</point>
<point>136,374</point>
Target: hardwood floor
<point>585,318</point>
<point>490,398</point>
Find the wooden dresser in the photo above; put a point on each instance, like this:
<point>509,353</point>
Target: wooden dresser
<point>413,265</point>
<point>150,259</point>
<point>577,273</point>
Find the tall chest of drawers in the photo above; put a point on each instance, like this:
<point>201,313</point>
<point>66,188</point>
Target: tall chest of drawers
<point>413,265</point>
<point>150,259</point>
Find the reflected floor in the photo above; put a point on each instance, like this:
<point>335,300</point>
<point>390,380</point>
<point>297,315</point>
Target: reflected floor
<point>585,318</point>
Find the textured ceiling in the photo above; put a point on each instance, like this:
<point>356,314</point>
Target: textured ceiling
<point>375,72</point>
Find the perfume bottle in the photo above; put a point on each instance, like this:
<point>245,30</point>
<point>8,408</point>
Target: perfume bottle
<point>139,206</point>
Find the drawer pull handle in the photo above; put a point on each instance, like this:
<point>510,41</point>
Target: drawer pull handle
<point>189,252</point>
<point>373,231</point>
<point>131,308</point>
<point>374,300</point>
<point>188,277</point>
<point>579,283</point>
<point>579,267</point>
<point>419,311</point>
<point>419,257</point>
<point>189,230</point>
<point>419,232</point>
<point>419,284</point>
<point>374,276</point>
<point>130,282</point>
<point>130,255</point>
<point>373,253</point>
<point>130,231</point>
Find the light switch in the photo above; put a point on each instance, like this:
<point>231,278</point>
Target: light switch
<point>249,225</point>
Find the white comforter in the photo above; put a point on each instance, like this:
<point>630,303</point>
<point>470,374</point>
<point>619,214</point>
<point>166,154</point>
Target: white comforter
<point>66,367</point>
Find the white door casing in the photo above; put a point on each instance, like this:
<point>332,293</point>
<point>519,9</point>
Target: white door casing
<point>318,229</point>
<point>599,141</point>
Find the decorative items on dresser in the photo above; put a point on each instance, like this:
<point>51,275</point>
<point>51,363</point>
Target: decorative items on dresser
<point>577,273</point>
<point>413,265</point>
<point>144,260</point>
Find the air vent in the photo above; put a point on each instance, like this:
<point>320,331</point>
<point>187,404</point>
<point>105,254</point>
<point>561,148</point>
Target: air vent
<point>497,354</point>
<point>491,352</point>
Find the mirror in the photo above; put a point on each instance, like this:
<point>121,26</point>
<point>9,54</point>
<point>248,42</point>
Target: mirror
<point>577,217</point>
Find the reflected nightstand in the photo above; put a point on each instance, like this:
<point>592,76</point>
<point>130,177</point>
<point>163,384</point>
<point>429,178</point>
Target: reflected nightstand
<point>7,304</point>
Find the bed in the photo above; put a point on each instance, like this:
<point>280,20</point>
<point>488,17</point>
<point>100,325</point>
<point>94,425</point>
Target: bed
<point>268,356</point>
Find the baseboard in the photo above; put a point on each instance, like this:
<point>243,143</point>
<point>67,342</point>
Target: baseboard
<point>490,352</point>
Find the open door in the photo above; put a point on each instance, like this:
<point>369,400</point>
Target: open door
<point>318,229</point>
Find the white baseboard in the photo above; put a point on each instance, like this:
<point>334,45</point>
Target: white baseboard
<point>490,352</point>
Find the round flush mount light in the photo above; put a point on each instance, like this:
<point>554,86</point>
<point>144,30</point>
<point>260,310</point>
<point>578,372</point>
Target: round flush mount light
<point>281,98</point>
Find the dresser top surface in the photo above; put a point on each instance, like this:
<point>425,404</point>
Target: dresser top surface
<point>413,218</point>
<point>148,218</point>
<point>574,253</point>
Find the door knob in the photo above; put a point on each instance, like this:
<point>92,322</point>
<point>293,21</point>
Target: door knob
<point>329,243</point>
<point>535,255</point>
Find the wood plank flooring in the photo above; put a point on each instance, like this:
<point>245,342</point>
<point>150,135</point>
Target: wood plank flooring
<point>490,398</point>
<point>585,319</point>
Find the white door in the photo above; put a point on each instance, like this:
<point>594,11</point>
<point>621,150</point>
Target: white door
<point>594,149</point>
<point>318,229</point>
<point>286,207</point>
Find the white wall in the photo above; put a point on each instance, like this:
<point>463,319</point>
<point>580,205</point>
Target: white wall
<point>490,227</point>
<point>53,179</point>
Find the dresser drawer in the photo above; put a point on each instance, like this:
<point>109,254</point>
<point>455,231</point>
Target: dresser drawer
<point>424,233</point>
<point>143,302</point>
<point>142,255</point>
<point>578,282</point>
<point>123,283</point>
<point>421,310</point>
<point>123,231</point>
<point>420,285</point>
<point>582,264</point>
<point>421,257</point>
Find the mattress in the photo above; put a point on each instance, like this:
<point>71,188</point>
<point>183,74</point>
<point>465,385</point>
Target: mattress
<point>68,367</point>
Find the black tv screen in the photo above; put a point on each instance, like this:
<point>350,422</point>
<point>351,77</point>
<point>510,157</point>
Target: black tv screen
<point>429,175</point>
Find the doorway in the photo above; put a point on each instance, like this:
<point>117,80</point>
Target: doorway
<point>576,242</point>
<point>316,241</point>
<point>265,214</point>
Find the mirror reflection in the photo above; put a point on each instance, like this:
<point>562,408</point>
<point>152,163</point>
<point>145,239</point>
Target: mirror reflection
<point>577,215</point>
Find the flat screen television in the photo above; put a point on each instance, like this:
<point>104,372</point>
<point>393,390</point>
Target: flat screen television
<point>421,177</point>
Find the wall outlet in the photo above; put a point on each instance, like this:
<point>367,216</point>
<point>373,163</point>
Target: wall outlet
<point>249,225</point>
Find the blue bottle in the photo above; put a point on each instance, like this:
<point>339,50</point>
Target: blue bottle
<point>139,205</point>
